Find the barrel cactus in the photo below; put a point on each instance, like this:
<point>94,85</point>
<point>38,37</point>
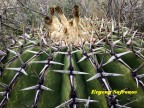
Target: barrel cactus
<point>73,63</point>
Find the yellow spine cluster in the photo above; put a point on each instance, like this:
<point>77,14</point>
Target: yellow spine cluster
<point>69,31</point>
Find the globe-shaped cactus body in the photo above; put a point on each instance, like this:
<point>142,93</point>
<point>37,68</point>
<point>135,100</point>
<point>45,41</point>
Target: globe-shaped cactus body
<point>73,63</point>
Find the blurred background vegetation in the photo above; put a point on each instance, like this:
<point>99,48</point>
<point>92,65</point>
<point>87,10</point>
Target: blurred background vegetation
<point>21,15</point>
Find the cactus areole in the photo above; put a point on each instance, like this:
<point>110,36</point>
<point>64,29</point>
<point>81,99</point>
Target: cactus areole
<point>73,63</point>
